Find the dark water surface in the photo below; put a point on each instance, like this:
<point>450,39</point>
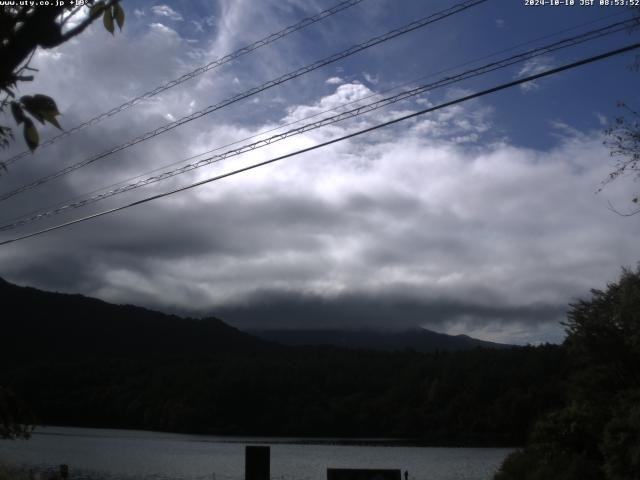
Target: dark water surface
<point>111,454</point>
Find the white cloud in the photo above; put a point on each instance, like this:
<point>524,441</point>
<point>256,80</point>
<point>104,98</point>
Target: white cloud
<point>371,78</point>
<point>166,11</point>
<point>75,19</point>
<point>163,29</point>
<point>344,94</point>
<point>334,81</point>
<point>400,211</point>
<point>532,67</point>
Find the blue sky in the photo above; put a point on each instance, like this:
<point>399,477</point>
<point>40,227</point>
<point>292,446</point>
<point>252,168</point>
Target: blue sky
<point>482,31</point>
<point>479,219</point>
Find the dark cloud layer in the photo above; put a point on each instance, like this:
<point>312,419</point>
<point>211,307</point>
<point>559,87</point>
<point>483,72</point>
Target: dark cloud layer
<point>285,310</point>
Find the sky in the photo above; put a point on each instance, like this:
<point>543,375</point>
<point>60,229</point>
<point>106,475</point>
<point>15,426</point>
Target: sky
<point>482,218</point>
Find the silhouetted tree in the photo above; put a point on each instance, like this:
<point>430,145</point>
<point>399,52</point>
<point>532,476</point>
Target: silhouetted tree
<point>623,138</point>
<point>15,420</point>
<point>597,434</point>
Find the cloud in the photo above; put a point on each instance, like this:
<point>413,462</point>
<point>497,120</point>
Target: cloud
<point>166,11</point>
<point>287,309</point>
<point>532,67</point>
<point>75,18</point>
<point>402,228</point>
<point>440,221</point>
<point>334,81</point>
<point>371,78</point>
<point>346,94</point>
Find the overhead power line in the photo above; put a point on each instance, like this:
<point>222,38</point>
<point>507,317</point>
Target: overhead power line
<point>339,107</point>
<point>192,74</point>
<point>466,98</point>
<point>363,109</point>
<point>270,84</point>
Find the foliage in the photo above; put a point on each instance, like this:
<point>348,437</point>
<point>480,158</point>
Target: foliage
<point>15,420</point>
<point>11,473</point>
<point>464,398</point>
<point>597,434</point>
<point>24,28</point>
<point>623,140</point>
<point>40,107</point>
<point>604,336</point>
<point>534,463</point>
<point>621,443</point>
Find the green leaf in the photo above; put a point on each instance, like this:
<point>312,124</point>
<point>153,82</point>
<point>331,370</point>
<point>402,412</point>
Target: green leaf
<point>42,108</point>
<point>39,103</point>
<point>30,134</point>
<point>31,106</point>
<point>118,14</point>
<point>51,118</point>
<point>96,8</point>
<point>18,114</point>
<point>107,20</point>
<point>43,102</point>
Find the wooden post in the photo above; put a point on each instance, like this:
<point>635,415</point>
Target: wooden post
<point>257,463</point>
<point>64,471</point>
<point>363,474</point>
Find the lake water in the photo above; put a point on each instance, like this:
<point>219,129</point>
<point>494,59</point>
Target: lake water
<point>127,454</point>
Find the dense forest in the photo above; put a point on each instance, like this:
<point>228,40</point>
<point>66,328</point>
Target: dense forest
<point>79,361</point>
<point>418,339</point>
<point>473,398</point>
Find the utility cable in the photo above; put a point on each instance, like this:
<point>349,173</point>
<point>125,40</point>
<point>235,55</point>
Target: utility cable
<point>466,98</point>
<point>317,114</point>
<point>284,78</point>
<point>363,109</point>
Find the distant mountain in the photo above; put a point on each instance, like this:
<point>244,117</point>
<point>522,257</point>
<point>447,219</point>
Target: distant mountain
<point>63,325</point>
<point>74,360</point>
<point>36,323</point>
<point>418,339</point>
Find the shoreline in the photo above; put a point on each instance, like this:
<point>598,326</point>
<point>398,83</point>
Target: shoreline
<point>272,440</point>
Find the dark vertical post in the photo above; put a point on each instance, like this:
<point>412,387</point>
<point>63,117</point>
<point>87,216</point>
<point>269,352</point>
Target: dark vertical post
<point>64,471</point>
<point>257,463</point>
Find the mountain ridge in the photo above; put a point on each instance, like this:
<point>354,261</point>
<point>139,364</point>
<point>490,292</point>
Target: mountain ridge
<point>418,339</point>
<point>57,323</point>
<point>77,361</point>
<point>126,328</point>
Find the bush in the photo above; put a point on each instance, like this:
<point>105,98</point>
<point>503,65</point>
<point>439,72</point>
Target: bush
<point>11,473</point>
<point>597,435</point>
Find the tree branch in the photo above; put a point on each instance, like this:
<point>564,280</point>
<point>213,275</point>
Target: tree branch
<point>78,29</point>
<point>630,214</point>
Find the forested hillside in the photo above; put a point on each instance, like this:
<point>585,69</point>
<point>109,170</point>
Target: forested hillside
<point>418,339</point>
<point>79,361</point>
